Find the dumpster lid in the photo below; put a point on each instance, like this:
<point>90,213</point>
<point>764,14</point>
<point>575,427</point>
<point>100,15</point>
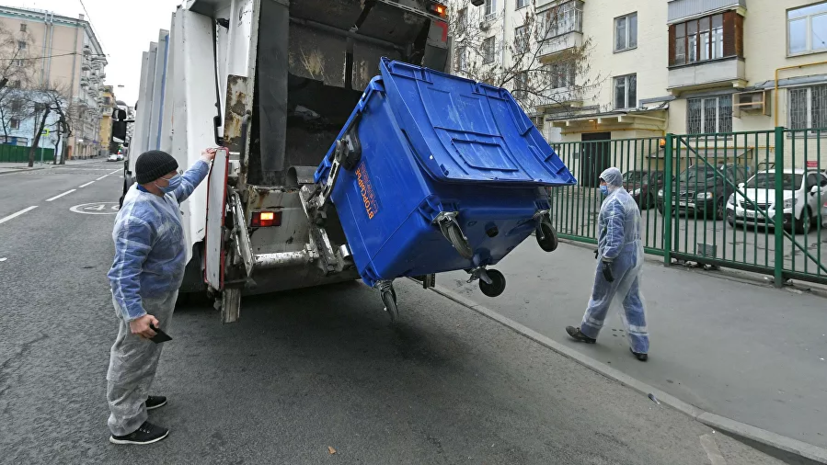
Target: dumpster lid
<point>464,131</point>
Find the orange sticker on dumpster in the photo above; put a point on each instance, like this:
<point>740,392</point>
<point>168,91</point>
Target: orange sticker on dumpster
<point>369,198</point>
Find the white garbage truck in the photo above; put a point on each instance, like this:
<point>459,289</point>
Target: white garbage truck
<point>273,81</point>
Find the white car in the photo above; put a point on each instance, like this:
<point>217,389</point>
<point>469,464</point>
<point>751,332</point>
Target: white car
<point>112,157</point>
<point>805,199</point>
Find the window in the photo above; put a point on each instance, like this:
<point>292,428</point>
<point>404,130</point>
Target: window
<point>564,19</point>
<point>489,46</point>
<point>520,85</point>
<point>808,107</point>
<point>521,39</point>
<point>23,27</point>
<point>14,84</point>
<point>521,4</point>
<point>625,92</point>
<point>562,75</point>
<point>21,45</point>
<point>626,32</point>
<point>462,20</point>
<point>490,7</point>
<point>107,100</point>
<point>19,63</point>
<point>14,123</point>
<point>16,106</point>
<point>462,59</point>
<point>709,115</point>
<point>807,29</point>
<point>704,39</point>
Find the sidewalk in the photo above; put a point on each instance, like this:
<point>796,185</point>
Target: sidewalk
<point>751,353</point>
<point>6,167</point>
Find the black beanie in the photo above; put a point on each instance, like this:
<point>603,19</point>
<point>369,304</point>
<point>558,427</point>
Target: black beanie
<point>153,165</point>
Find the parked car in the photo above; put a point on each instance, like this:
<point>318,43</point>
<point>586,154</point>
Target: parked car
<point>704,189</point>
<point>120,157</point>
<point>802,201</point>
<point>643,186</point>
<point>112,157</point>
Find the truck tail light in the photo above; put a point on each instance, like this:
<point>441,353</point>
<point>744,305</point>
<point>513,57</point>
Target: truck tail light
<point>438,9</point>
<point>265,219</point>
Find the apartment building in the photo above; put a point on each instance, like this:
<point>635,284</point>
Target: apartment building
<point>107,105</point>
<point>677,66</point>
<point>66,54</point>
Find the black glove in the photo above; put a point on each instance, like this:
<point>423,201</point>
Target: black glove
<point>595,254</point>
<point>607,271</point>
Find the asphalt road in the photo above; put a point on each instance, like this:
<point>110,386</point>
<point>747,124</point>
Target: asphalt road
<point>302,372</point>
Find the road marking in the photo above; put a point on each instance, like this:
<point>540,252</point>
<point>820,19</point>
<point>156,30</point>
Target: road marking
<point>3,259</point>
<point>711,448</point>
<point>88,183</point>
<point>61,195</point>
<point>15,215</point>
<point>96,208</point>
<point>109,174</point>
<point>105,175</point>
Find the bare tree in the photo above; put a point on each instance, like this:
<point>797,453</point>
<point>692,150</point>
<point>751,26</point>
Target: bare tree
<point>17,69</point>
<point>43,102</point>
<point>544,66</point>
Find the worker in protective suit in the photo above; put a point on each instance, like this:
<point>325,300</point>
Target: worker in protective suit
<point>150,256</point>
<point>620,260</point>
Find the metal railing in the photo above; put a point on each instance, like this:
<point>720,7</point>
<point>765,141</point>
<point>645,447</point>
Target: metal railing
<point>711,198</point>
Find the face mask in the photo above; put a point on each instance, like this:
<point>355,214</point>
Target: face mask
<point>174,182</point>
<point>604,189</point>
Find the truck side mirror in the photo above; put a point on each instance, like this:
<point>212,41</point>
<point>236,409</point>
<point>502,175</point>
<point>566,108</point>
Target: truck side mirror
<point>119,129</point>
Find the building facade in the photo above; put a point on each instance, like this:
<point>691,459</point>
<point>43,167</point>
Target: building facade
<point>677,66</point>
<point>64,54</point>
<point>107,105</point>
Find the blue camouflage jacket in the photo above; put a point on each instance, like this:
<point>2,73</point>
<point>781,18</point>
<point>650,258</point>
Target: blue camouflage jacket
<point>150,249</point>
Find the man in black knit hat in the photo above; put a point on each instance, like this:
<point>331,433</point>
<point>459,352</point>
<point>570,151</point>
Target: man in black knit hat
<point>150,257</point>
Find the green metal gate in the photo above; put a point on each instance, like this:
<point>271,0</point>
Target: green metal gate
<point>711,198</point>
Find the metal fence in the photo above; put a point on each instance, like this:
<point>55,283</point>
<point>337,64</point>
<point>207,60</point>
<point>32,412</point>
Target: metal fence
<point>18,154</point>
<point>711,198</point>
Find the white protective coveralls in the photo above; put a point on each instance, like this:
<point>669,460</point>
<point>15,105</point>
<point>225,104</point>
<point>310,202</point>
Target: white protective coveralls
<point>150,257</point>
<point>619,247</point>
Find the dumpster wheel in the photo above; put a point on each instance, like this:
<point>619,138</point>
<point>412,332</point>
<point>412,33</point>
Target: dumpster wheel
<point>459,241</point>
<point>389,299</point>
<point>547,237</point>
<point>497,285</point>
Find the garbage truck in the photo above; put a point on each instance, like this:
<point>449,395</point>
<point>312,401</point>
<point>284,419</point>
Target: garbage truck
<point>304,99</point>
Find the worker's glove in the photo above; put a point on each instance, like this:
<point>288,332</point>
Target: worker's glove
<point>607,271</point>
<point>595,254</point>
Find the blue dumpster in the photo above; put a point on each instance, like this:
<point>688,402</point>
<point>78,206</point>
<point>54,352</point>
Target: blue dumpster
<point>435,173</point>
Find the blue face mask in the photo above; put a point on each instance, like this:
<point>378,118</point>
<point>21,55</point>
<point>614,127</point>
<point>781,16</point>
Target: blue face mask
<point>604,189</point>
<point>174,182</point>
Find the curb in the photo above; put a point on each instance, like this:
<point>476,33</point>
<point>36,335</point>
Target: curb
<point>780,445</point>
<point>15,170</point>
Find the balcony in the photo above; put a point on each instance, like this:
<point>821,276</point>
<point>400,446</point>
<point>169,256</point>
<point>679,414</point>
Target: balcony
<point>563,97</point>
<point>563,26</point>
<point>728,72</point>
<point>556,45</point>
<point>682,10</point>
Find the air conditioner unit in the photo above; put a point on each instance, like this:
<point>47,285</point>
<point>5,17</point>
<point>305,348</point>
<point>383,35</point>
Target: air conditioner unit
<point>752,102</point>
<point>478,2</point>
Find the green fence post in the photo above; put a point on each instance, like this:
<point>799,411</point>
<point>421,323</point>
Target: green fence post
<point>778,229</point>
<point>668,155</point>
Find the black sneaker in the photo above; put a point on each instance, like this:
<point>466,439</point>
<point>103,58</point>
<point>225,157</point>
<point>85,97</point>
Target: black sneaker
<point>641,357</point>
<point>578,335</point>
<point>153,402</point>
<point>145,434</point>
